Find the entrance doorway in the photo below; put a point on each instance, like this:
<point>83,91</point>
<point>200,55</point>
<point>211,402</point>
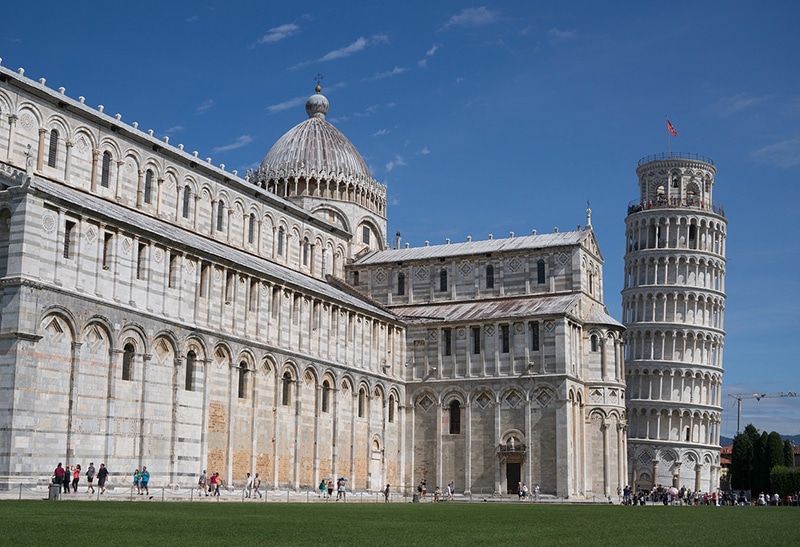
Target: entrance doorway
<point>513,476</point>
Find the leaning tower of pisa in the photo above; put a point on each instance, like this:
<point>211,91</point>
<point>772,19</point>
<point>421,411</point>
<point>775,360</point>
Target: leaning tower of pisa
<point>673,302</point>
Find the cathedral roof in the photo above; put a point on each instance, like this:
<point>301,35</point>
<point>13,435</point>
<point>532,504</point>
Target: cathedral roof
<point>315,148</point>
<point>467,248</point>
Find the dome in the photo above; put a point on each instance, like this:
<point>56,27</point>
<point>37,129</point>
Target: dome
<point>315,147</point>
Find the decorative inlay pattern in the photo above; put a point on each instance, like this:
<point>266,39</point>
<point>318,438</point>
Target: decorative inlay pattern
<point>563,258</point>
<point>422,273</point>
<point>48,222</point>
<point>425,403</point>
<point>483,399</point>
<point>91,234</point>
<point>380,275</point>
<point>514,264</point>
<point>158,255</point>
<point>465,268</point>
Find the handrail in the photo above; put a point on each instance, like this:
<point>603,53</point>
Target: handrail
<point>676,156</point>
<point>637,205</point>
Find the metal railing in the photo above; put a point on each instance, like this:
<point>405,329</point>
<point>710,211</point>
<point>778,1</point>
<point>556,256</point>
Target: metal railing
<point>675,155</point>
<point>637,205</point>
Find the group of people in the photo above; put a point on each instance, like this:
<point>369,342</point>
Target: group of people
<point>211,485</point>
<point>523,493</point>
<point>327,488</point>
<point>70,476</point>
<point>141,481</point>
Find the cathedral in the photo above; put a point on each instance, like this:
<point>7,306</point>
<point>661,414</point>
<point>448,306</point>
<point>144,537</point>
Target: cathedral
<point>160,310</point>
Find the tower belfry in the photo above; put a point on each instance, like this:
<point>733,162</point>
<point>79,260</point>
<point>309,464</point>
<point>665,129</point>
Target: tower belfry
<point>673,302</point>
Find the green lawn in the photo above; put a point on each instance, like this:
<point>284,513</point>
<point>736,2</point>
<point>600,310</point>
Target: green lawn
<point>204,523</point>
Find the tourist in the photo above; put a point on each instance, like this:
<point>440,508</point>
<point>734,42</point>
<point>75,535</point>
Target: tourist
<point>90,471</point>
<point>322,488</point>
<point>248,486</point>
<point>137,480</point>
<point>213,484</point>
<point>102,476</point>
<point>201,483</point>
<point>76,478</point>
<point>257,486</point>
<point>386,494</point>
<point>58,475</point>
<point>145,480</point>
<point>67,478</point>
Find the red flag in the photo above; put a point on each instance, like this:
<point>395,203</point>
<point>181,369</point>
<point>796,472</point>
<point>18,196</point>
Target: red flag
<point>671,129</point>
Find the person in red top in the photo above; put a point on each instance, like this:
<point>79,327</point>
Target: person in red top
<point>58,474</point>
<point>76,478</point>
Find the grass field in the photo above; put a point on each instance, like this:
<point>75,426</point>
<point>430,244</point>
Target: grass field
<point>445,524</point>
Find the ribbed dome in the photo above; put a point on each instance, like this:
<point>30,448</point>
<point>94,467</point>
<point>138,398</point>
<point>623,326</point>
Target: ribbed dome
<point>315,148</point>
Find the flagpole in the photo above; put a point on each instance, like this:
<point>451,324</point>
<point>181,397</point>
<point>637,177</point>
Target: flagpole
<point>669,150</point>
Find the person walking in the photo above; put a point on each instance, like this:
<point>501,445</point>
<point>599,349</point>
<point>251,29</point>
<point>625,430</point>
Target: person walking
<point>102,476</point>
<point>90,471</point>
<point>145,481</point>
<point>386,494</point>
<point>137,479</point>
<point>76,478</point>
<point>212,482</point>
<point>248,486</point>
<point>201,483</point>
<point>257,486</point>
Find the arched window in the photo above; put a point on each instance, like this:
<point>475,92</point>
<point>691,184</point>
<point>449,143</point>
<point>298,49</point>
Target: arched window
<point>490,277</point>
<point>286,395</point>
<point>593,342</point>
<point>127,362</point>
<point>281,235</point>
<point>187,196</point>
<point>455,418</point>
<point>306,249</point>
<point>401,284</point>
<point>243,380</point>
<point>148,186</point>
<point>141,261</point>
<point>326,396</point>
<point>69,238</point>
<point>443,280</point>
<point>251,228</point>
<point>191,359</point>
<point>52,153</point>
<point>540,277</point>
<point>220,215</point>
<point>205,278</point>
<point>105,173</point>
<point>253,295</point>
<point>362,402</point>
<point>391,409</point>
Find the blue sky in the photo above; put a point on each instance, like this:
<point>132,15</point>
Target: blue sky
<point>485,118</point>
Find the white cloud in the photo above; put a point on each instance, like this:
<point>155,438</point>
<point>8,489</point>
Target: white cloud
<point>193,19</point>
<point>781,154</point>
<point>346,51</point>
<point>422,63</point>
<point>555,35</point>
<point>291,103</point>
<point>174,129</point>
<point>244,140</point>
<point>396,162</point>
<point>381,132</point>
<point>389,73</point>
<point>425,151</point>
<point>277,34</point>
<point>203,108</point>
<point>431,51</point>
<point>736,103</point>
<point>472,17</point>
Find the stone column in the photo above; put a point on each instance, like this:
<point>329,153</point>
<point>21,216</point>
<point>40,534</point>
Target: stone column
<point>12,124</point>
<point>40,152</point>
<point>93,176</point>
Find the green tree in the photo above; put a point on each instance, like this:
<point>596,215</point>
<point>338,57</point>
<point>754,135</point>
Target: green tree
<point>788,453</point>
<point>760,467</point>
<point>742,462</point>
